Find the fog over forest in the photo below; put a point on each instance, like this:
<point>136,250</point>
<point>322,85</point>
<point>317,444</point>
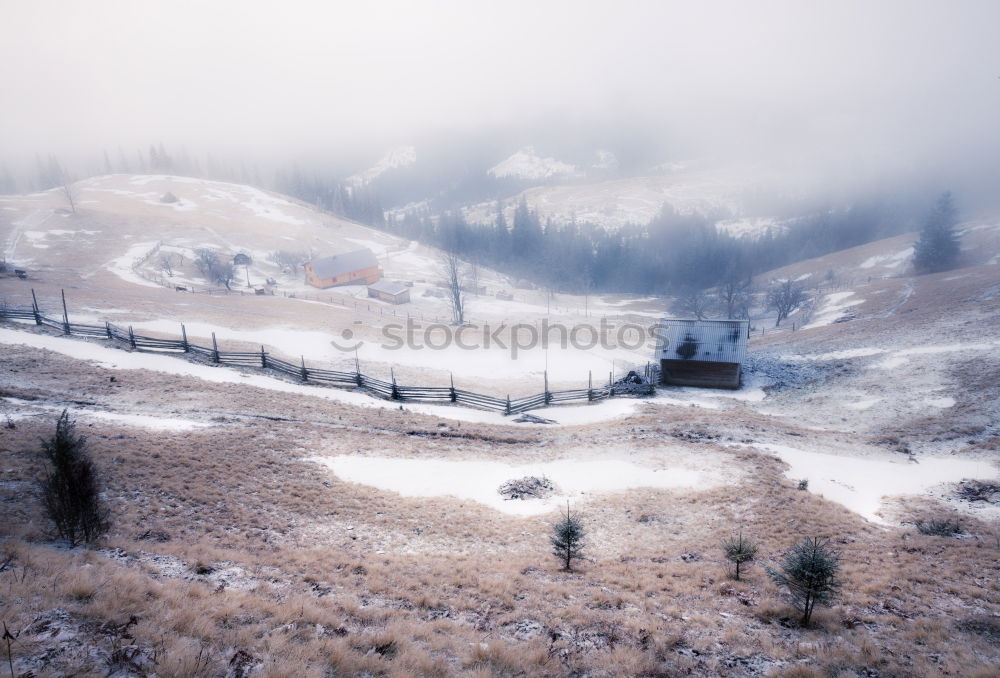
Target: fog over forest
<point>836,95</point>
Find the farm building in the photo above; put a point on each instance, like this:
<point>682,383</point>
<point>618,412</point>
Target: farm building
<point>390,290</point>
<point>242,259</point>
<point>350,268</point>
<point>707,353</point>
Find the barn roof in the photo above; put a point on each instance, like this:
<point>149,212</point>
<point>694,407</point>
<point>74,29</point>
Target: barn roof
<point>338,264</point>
<point>723,341</point>
<point>392,287</point>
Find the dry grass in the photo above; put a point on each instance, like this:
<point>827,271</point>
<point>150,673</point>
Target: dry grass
<point>225,541</point>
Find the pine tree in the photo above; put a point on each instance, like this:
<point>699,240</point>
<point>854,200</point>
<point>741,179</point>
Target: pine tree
<point>71,492</point>
<point>567,539</point>
<point>809,573</point>
<point>938,248</point>
<point>739,550</point>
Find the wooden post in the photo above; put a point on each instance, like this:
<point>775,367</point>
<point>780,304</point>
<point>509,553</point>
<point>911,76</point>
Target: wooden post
<point>395,391</point>
<point>611,389</point>
<point>454,396</point>
<point>34,308</point>
<point>590,386</point>
<point>65,313</point>
<point>107,328</point>
<point>184,338</point>
<point>131,337</point>
<point>507,409</point>
<point>215,348</point>
<point>546,395</point>
<point>304,372</point>
<point>263,357</point>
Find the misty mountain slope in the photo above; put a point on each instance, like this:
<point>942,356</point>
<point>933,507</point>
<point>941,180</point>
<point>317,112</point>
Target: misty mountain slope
<point>908,362</point>
<point>635,200</point>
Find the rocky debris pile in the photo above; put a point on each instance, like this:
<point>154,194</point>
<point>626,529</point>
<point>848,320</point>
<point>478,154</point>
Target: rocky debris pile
<point>977,490</point>
<point>633,382</point>
<point>169,198</point>
<point>534,419</point>
<point>528,487</point>
<point>774,373</point>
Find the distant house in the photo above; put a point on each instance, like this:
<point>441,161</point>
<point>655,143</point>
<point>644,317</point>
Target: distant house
<point>390,290</point>
<point>242,259</point>
<point>350,268</point>
<point>707,353</point>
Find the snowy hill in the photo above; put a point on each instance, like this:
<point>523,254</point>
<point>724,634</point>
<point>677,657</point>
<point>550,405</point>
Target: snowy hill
<point>402,156</point>
<point>617,202</point>
<point>527,164</point>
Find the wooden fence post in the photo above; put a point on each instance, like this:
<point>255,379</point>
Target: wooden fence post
<point>546,396</point>
<point>34,308</point>
<point>107,328</point>
<point>184,338</point>
<point>590,386</point>
<point>131,337</point>
<point>65,313</point>
<point>395,391</point>
<point>215,348</point>
<point>263,357</point>
<point>360,380</point>
<point>507,409</point>
<point>454,396</point>
<point>303,372</point>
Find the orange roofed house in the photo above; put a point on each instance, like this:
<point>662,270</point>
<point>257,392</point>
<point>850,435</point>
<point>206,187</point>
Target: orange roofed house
<point>350,268</point>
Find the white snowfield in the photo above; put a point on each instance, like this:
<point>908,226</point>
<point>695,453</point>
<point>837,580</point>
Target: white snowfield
<point>835,306</point>
<point>567,364</point>
<point>527,164</point>
<point>112,358</point>
<point>23,409</point>
<point>479,480</point>
<point>861,483</point>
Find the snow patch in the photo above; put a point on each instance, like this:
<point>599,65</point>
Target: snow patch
<point>479,480</point>
<point>402,156</point>
<point>860,484</point>
<point>527,164</point>
<point>888,260</point>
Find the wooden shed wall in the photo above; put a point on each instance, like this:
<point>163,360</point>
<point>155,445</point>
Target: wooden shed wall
<point>700,373</point>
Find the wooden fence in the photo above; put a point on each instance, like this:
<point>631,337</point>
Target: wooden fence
<point>388,390</point>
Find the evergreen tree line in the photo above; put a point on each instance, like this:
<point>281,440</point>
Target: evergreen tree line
<point>675,254</point>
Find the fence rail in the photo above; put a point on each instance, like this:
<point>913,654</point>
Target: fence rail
<point>388,390</point>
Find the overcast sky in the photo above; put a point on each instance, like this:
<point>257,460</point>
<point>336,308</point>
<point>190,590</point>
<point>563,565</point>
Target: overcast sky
<point>897,83</point>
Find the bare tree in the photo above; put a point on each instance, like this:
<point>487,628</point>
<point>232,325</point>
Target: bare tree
<point>692,303</point>
<point>288,261</point>
<point>454,271</point>
<point>734,293</point>
<point>784,298</point>
<point>166,266</point>
<point>213,268</point>
<point>68,190</point>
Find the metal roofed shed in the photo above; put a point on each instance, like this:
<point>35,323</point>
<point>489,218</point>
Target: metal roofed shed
<point>707,353</point>
<point>359,267</point>
<point>393,291</point>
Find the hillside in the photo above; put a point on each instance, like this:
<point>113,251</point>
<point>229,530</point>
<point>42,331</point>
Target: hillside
<point>285,529</point>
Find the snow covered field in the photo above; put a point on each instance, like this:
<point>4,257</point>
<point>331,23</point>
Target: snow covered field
<point>574,479</point>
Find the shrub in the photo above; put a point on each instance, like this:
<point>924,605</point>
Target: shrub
<point>71,489</point>
<point>804,484</point>
<point>809,573</point>
<point>739,550</point>
<point>567,539</point>
<point>939,527</point>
